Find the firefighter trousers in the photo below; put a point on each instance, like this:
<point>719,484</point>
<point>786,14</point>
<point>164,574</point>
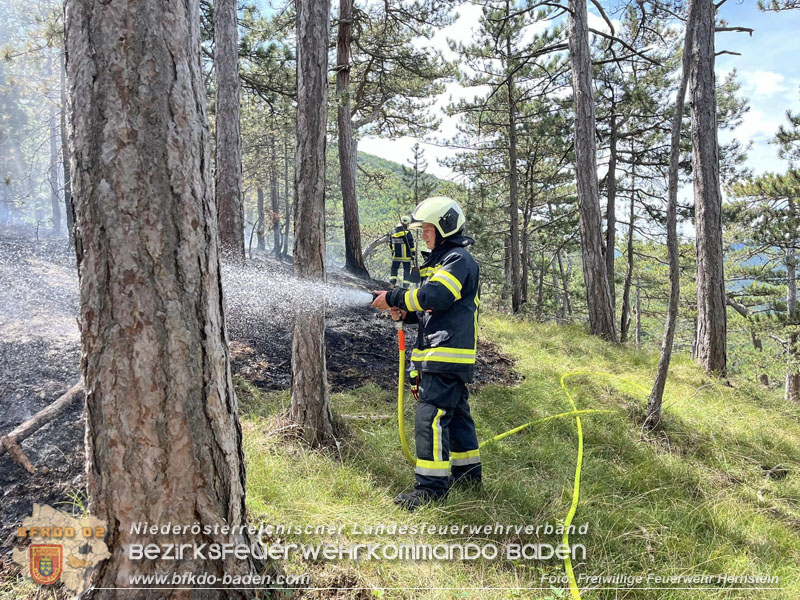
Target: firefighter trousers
<point>444,433</point>
<point>404,280</point>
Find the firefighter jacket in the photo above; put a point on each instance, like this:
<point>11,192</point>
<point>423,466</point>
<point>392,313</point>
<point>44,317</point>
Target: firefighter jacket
<point>402,243</point>
<point>446,308</point>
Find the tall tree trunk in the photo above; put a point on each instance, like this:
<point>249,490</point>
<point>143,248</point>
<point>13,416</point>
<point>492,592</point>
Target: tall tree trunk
<point>625,316</point>
<point>164,444</point>
<point>611,205</point>
<point>507,276</point>
<point>557,294</point>
<point>513,183</point>
<point>540,286</point>
<point>286,210</point>
<point>229,143</point>
<point>598,295</point>
<point>354,260</point>
<point>273,197</point>
<point>565,282</point>
<point>711,315</point>
<point>792,375</point>
<point>69,210</point>
<point>52,170</point>
<point>638,316</point>
<point>311,407</point>
<point>55,200</point>
<point>261,219</point>
<point>524,262</point>
<point>653,416</point>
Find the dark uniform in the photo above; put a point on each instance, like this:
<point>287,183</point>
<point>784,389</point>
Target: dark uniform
<point>446,308</point>
<point>402,242</point>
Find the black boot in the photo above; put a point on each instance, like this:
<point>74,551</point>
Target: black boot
<point>412,500</point>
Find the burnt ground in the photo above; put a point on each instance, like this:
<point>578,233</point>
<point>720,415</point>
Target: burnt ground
<point>40,360</point>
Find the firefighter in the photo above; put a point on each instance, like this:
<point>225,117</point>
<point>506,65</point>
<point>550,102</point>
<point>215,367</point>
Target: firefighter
<point>446,308</point>
<point>402,244</point>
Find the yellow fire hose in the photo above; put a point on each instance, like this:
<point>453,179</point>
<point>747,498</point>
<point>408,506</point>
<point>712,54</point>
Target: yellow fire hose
<point>576,486</point>
<point>401,386</point>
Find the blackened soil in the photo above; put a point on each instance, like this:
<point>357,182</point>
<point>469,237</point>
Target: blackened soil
<point>39,361</point>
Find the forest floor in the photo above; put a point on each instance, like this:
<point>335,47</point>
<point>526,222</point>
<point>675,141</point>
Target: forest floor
<point>40,359</point>
<point>716,493</point>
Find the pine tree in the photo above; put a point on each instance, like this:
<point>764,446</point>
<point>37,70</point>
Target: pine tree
<point>414,175</point>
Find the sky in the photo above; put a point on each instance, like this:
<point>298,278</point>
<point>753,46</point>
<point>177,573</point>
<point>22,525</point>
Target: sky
<point>768,69</point>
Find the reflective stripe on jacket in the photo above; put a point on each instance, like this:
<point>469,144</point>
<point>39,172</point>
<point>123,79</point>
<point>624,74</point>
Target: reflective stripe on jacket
<point>446,307</point>
<point>402,243</point>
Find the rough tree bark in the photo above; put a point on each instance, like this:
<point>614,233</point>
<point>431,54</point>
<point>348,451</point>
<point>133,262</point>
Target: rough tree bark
<point>653,415</point>
<point>598,295</point>
<point>711,312</point>
<point>163,438</point>
<point>228,172</point>
<point>311,408</point>
<point>354,259</point>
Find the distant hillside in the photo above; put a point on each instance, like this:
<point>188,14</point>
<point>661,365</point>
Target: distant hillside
<point>371,162</point>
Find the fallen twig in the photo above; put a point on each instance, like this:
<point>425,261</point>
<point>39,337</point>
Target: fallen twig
<point>10,442</point>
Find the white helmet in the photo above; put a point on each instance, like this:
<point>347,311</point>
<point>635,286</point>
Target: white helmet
<point>442,212</point>
<point>405,220</point>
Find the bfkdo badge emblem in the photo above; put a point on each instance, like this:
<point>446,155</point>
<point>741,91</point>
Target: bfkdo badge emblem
<point>46,562</point>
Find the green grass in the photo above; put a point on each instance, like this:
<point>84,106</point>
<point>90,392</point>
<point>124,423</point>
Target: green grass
<point>694,500</point>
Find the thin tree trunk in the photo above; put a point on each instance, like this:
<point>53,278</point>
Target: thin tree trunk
<point>229,143</point>
<point>507,275</point>
<point>524,262</point>
<point>354,260</point>
<point>286,210</point>
<point>311,407</point>
<point>625,316</point>
<point>69,210</point>
<point>556,294</point>
<point>513,183</point>
<point>540,287</point>
<point>653,417</point>
<point>792,375</point>
<point>711,315</point>
<point>273,197</point>
<point>565,282</point>
<point>261,245</point>
<point>598,295</point>
<point>55,200</point>
<point>164,444</point>
<point>638,317</point>
<point>611,205</point>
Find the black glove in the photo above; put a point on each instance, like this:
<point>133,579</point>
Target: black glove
<point>413,379</point>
